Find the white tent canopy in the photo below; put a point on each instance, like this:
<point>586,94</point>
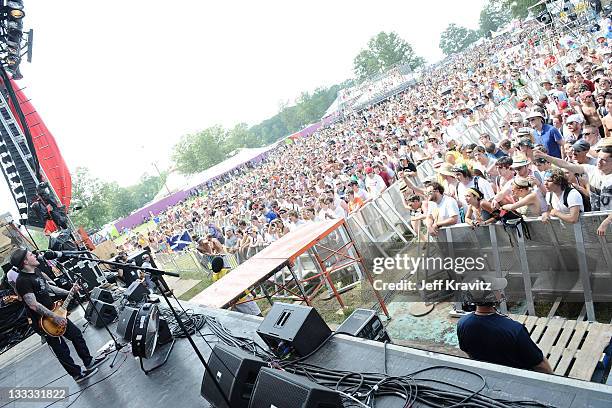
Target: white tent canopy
<point>178,182</point>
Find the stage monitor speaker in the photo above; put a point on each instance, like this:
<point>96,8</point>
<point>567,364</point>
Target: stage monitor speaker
<point>136,292</point>
<point>236,372</point>
<point>126,322</point>
<point>366,324</point>
<point>107,313</point>
<point>102,295</point>
<point>293,329</point>
<point>275,388</point>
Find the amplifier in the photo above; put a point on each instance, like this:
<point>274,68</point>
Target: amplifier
<point>366,324</point>
<point>89,270</point>
<point>235,371</point>
<point>106,314</point>
<point>275,388</point>
<point>126,322</point>
<point>136,292</point>
<point>102,294</point>
<point>293,329</point>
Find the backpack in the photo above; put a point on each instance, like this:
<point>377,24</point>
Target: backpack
<point>511,220</point>
<point>586,201</point>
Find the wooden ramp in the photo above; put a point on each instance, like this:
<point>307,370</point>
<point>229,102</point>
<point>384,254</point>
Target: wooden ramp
<point>572,347</point>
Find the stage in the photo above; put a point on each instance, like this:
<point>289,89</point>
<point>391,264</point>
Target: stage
<point>177,384</point>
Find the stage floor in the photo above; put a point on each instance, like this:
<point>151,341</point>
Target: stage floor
<point>177,384</point>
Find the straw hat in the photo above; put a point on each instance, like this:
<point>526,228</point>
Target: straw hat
<point>519,160</point>
<point>445,169</point>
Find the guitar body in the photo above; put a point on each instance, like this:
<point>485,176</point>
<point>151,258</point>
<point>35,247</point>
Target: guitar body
<point>49,326</point>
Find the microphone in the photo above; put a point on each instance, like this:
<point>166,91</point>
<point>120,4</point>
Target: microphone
<point>60,254</point>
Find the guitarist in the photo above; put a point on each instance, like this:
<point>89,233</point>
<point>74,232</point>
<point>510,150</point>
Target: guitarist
<point>34,290</point>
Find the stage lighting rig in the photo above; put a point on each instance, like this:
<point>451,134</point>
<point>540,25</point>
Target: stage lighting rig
<point>14,42</point>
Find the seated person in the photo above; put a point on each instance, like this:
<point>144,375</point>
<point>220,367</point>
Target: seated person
<point>246,307</point>
<point>486,335</point>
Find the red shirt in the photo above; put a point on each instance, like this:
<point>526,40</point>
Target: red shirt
<point>386,177</point>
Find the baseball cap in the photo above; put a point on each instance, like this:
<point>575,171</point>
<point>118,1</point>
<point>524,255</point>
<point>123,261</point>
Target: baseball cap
<point>18,256</point>
<point>525,141</point>
<point>484,291</point>
<point>574,118</point>
<point>581,146</point>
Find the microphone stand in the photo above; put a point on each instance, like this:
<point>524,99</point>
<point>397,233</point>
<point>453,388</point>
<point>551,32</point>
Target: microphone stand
<point>157,275</point>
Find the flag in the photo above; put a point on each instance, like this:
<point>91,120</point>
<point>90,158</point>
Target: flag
<point>179,242</point>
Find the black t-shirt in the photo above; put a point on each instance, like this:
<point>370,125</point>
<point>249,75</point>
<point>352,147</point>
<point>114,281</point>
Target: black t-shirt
<point>34,283</point>
<point>498,339</point>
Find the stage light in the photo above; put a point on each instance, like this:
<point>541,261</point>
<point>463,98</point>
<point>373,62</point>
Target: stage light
<point>19,190</point>
<point>16,14</point>
<point>22,199</point>
<point>3,148</point>
<point>11,60</point>
<point>11,169</point>
<point>15,25</point>
<point>7,159</point>
<point>23,212</point>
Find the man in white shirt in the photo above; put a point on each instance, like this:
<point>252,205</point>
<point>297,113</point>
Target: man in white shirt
<point>564,201</point>
<point>442,210</point>
<point>374,183</point>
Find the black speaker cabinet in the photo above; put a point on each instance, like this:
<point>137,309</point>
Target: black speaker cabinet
<point>366,324</point>
<point>106,313</point>
<point>275,388</point>
<point>136,292</point>
<point>293,328</point>
<point>126,322</point>
<point>102,294</point>
<point>164,335</point>
<point>236,371</point>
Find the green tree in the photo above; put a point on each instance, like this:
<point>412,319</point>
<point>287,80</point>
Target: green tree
<point>88,193</point>
<point>520,8</point>
<point>493,16</point>
<point>383,52</point>
<point>456,39</point>
<point>199,151</point>
<point>103,202</point>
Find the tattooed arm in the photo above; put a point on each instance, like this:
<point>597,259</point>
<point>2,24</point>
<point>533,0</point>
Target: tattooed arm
<point>59,291</point>
<point>33,304</point>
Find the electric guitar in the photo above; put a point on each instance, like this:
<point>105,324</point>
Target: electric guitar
<point>60,309</point>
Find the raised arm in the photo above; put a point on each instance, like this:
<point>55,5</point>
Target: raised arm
<point>574,168</point>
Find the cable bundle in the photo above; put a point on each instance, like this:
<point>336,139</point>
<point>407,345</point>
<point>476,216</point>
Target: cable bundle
<point>193,321</point>
<point>363,389</point>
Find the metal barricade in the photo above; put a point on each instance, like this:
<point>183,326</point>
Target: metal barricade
<point>544,260</point>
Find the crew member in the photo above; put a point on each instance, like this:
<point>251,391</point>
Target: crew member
<point>34,290</point>
<point>486,335</point>
<point>245,306</point>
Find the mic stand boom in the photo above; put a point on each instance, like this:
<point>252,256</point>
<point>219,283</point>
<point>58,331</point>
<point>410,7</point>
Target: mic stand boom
<point>158,278</point>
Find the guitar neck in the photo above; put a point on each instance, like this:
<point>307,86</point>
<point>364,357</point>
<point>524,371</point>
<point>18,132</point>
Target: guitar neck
<point>68,299</point>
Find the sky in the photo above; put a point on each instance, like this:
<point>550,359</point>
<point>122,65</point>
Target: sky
<point>119,83</point>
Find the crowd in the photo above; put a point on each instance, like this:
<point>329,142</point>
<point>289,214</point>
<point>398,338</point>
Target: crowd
<point>553,159</point>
